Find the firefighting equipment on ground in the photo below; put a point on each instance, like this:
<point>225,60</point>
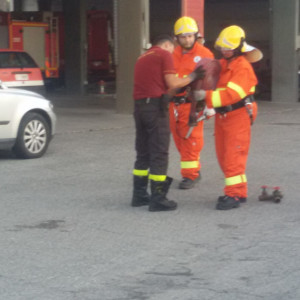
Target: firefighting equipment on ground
<point>275,195</point>
<point>233,38</point>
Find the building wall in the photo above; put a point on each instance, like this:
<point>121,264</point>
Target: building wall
<point>100,4</point>
<point>252,16</point>
<point>75,47</point>
<point>57,5</point>
<point>6,5</point>
<point>285,60</point>
<point>132,40</point>
<point>194,9</point>
<point>163,15</point>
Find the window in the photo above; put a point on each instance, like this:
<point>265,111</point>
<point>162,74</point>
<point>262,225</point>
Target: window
<point>16,60</point>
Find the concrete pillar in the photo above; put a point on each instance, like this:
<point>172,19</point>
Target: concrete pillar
<point>194,9</point>
<point>75,46</point>
<point>133,36</point>
<point>285,15</point>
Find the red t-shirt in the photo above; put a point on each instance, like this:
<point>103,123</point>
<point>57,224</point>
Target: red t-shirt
<point>149,72</point>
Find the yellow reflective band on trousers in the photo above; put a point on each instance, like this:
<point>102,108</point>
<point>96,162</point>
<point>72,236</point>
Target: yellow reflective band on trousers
<point>189,164</point>
<point>235,179</point>
<point>216,99</point>
<point>237,89</point>
<point>157,177</point>
<point>252,90</point>
<point>140,172</point>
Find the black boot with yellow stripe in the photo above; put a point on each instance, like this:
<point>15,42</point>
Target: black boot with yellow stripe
<point>158,200</point>
<point>140,195</point>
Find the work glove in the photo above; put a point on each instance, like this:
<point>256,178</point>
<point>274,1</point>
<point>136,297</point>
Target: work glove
<point>209,112</point>
<point>181,90</point>
<point>197,74</point>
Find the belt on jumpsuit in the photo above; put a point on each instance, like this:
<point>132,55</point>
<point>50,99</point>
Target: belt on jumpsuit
<point>242,103</point>
<point>180,100</point>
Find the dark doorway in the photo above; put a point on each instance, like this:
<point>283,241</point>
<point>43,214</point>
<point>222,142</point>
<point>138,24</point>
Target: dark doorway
<point>254,17</point>
<point>163,15</point>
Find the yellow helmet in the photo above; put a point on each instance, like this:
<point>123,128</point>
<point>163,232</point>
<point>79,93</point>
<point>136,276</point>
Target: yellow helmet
<point>185,25</point>
<point>230,38</point>
<point>233,37</point>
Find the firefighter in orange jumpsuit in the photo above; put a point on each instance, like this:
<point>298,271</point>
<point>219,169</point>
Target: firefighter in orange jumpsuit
<point>235,112</point>
<point>186,55</point>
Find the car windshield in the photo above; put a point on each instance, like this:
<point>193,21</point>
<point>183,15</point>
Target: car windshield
<point>16,60</point>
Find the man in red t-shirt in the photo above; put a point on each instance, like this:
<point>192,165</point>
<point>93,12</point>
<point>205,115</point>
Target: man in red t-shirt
<point>154,74</point>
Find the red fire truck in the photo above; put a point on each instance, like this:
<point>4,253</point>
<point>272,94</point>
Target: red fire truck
<point>41,34</point>
<point>35,33</point>
<point>99,40</point>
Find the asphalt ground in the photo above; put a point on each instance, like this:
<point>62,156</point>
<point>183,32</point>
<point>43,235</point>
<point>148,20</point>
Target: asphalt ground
<point>68,231</point>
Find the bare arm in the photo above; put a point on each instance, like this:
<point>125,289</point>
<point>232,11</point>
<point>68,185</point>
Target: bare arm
<point>174,82</point>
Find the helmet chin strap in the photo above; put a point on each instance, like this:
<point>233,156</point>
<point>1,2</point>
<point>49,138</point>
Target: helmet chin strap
<point>237,51</point>
<point>235,54</point>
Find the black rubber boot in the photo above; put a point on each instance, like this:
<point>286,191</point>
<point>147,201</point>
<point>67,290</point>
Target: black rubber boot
<point>226,202</point>
<point>187,183</point>
<point>158,200</point>
<point>140,195</point>
<point>242,199</point>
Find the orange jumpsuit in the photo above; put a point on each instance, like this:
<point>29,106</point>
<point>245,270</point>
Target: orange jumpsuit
<point>233,129</point>
<point>190,148</point>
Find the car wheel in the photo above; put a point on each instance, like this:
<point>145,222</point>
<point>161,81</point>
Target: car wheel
<point>33,136</point>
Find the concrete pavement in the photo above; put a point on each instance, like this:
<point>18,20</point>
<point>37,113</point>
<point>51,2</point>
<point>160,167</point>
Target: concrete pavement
<point>68,231</point>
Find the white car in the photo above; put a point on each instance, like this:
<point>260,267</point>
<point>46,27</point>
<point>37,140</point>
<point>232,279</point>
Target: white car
<point>27,122</point>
